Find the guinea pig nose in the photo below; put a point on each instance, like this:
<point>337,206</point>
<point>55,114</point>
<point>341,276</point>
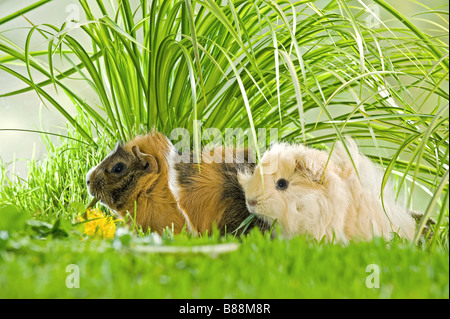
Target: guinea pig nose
<point>252,202</point>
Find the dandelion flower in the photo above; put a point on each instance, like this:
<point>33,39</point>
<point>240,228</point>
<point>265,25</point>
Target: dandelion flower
<point>97,224</point>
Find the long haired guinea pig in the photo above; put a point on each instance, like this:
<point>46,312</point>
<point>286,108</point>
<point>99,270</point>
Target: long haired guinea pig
<point>145,177</point>
<point>309,193</point>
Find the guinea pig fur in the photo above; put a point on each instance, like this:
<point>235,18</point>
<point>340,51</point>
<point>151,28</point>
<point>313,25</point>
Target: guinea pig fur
<point>210,194</point>
<point>133,178</point>
<point>309,193</point>
<point>146,175</point>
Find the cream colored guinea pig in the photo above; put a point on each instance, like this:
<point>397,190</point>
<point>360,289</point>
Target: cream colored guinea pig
<point>292,186</point>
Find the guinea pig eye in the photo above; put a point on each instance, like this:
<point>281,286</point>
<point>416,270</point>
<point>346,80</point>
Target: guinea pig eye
<point>282,184</point>
<point>118,168</point>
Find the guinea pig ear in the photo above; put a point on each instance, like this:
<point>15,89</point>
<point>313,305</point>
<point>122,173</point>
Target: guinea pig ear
<point>313,174</point>
<point>147,161</point>
<point>243,177</point>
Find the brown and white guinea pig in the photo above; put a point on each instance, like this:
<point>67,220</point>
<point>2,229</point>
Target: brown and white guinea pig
<point>145,177</point>
<point>308,193</point>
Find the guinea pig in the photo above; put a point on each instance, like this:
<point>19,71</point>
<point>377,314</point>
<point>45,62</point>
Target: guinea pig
<point>309,192</point>
<point>133,179</point>
<point>145,178</point>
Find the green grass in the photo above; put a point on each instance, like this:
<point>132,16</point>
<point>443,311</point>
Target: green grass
<point>53,185</point>
<point>259,268</point>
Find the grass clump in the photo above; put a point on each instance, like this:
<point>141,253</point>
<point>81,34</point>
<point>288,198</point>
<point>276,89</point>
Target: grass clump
<point>55,186</point>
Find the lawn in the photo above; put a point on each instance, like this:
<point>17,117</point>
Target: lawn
<point>259,268</point>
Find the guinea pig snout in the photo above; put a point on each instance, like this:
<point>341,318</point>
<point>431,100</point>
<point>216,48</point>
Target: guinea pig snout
<point>94,182</point>
<point>89,175</point>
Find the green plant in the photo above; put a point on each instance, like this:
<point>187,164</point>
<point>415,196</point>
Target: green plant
<point>55,185</point>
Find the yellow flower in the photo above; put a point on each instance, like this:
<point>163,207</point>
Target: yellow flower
<point>98,225</point>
